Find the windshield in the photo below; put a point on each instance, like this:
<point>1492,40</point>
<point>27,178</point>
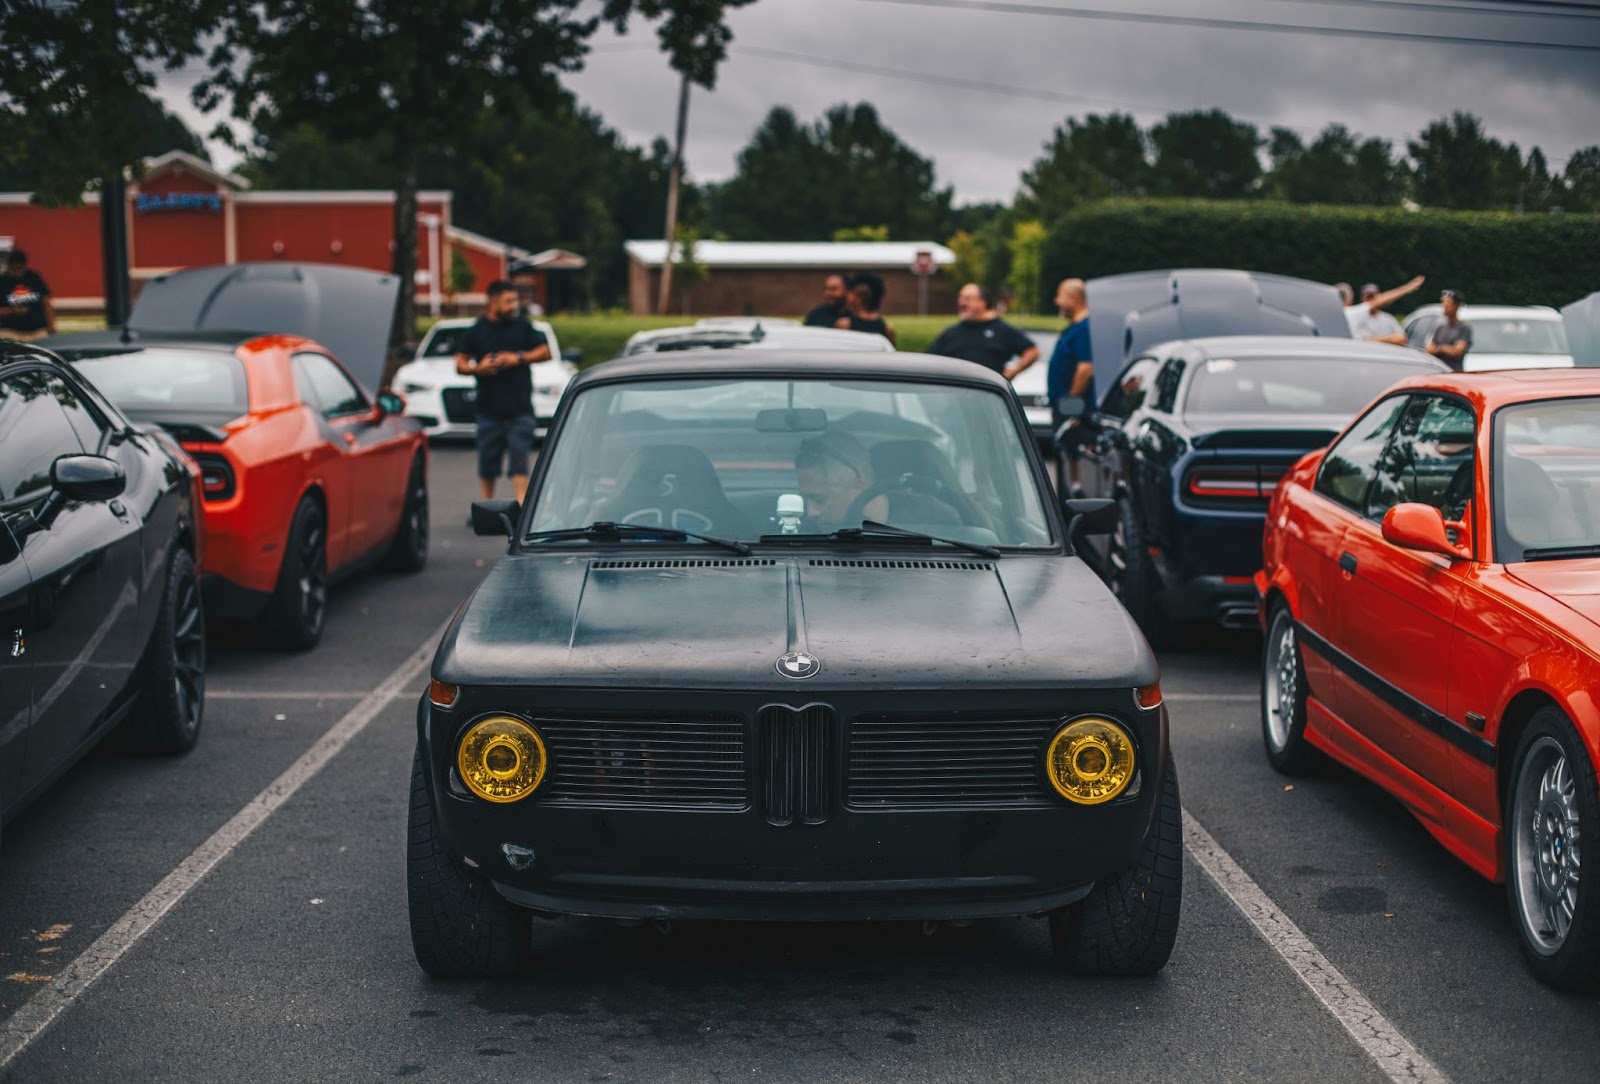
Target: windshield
<point>1503,336</point>
<point>745,457</point>
<point>142,380</point>
<point>442,342</point>
<point>1546,476</point>
<point>1278,386</point>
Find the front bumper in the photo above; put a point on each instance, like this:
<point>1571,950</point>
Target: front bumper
<point>860,864</point>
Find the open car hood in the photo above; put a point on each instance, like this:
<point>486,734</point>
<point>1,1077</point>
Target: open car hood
<point>1133,312</point>
<point>1583,329</point>
<point>346,309</point>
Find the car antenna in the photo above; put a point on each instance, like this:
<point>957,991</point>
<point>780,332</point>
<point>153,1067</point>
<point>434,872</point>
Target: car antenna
<point>758,332</point>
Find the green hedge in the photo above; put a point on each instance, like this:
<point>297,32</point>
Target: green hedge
<point>1492,257</point>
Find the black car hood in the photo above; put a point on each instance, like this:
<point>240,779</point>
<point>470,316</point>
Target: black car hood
<point>346,309</point>
<point>1132,312</point>
<point>711,623</point>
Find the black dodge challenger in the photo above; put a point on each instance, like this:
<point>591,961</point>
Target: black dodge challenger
<point>792,637</point>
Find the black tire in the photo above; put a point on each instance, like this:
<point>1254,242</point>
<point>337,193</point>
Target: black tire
<point>298,609</point>
<point>171,682</point>
<point>461,928</point>
<point>1552,820</point>
<point>409,550</point>
<point>1283,696</point>
<point>1128,923</point>
<point>1132,577</point>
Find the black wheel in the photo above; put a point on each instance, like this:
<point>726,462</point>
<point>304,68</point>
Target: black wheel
<point>1552,822</point>
<point>1283,696</point>
<point>172,674</point>
<point>299,606</point>
<point>1128,923</point>
<point>1132,577</point>
<point>409,550</point>
<point>461,928</point>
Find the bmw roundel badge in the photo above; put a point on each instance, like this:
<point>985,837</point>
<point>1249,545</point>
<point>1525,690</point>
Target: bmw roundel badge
<point>799,665</point>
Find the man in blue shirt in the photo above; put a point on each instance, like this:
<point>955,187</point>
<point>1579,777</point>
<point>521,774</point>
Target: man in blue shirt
<point>1071,371</point>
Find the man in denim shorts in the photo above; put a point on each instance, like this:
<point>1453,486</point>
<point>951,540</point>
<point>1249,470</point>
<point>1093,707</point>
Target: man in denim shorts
<point>499,350</point>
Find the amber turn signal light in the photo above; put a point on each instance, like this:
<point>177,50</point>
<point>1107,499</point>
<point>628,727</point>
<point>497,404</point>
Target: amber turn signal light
<point>501,759</point>
<point>1090,761</point>
<point>443,693</point>
<point>1148,697</point>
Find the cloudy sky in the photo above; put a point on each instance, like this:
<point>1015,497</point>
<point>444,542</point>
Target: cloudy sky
<point>979,91</point>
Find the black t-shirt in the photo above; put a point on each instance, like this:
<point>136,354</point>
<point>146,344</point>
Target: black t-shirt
<point>824,315</point>
<point>509,393</point>
<point>26,291</point>
<point>991,343</point>
<point>875,326</point>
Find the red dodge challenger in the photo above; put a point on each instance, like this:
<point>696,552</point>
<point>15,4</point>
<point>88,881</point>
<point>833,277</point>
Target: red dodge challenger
<point>306,475</point>
<point>1431,599</point>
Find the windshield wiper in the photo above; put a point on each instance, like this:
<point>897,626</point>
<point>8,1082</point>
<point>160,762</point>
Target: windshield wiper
<point>872,529</point>
<point>607,530</point>
<point>1558,553</point>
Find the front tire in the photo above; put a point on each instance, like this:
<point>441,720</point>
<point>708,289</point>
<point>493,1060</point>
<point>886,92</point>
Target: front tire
<point>409,550</point>
<point>1283,696</point>
<point>1552,821</point>
<point>461,928</point>
<point>298,608</point>
<point>172,675</point>
<point>1128,923</point>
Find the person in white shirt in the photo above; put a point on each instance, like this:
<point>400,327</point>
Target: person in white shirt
<point>1368,320</point>
<point>1353,312</point>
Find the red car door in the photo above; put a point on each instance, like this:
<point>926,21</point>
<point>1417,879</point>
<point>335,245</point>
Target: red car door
<point>1313,524</point>
<point>335,460</point>
<point>1397,613</point>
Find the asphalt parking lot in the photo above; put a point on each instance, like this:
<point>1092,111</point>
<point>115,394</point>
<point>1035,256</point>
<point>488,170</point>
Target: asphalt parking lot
<point>279,950</point>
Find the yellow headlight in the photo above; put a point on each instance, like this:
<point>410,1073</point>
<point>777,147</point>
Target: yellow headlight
<point>501,759</point>
<point>1090,761</point>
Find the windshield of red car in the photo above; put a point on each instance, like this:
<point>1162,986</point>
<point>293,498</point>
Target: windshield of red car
<point>1288,386</point>
<point>1546,477</point>
<point>142,381</point>
<point>746,457</point>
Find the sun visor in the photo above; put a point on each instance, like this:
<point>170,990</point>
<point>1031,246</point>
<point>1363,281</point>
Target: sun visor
<point>1583,329</point>
<point>346,309</point>
<point>1133,312</point>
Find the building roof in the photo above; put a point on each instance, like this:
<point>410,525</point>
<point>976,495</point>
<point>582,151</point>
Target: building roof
<point>823,255</point>
<point>182,160</point>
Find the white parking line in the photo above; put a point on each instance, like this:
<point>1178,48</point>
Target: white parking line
<point>1229,698</point>
<point>1392,1051</point>
<point>273,694</point>
<point>31,1020</point>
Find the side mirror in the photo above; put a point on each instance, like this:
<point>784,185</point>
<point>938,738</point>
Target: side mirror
<point>1093,515</point>
<point>495,518</point>
<point>75,478</point>
<point>1421,527</point>
<point>1072,406</point>
<point>573,354</point>
<point>390,402</point>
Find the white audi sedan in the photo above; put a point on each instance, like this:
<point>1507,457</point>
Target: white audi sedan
<point>1503,336</point>
<point>445,402</point>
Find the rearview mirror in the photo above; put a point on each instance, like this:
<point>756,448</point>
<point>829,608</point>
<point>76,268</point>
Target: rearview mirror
<point>491,518</point>
<point>1092,515</point>
<point>1420,527</point>
<point>390,403</point>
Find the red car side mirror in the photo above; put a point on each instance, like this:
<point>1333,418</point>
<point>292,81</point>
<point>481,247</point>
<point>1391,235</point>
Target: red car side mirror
<point>1422,527</point>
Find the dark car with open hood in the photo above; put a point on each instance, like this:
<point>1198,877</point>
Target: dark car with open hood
<point>795,637</point>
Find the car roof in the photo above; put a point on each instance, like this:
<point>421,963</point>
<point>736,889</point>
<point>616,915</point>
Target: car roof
<point>1498,388</point>
<point>116,339</point>
<point>1493,312</point>
<point>798,363</point>
<point>1297,346</point>
<point>781,337</point>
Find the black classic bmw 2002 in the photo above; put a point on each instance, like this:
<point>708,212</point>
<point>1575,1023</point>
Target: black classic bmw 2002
<point>792,637</point>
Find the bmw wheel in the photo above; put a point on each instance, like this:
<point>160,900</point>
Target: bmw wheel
<point>1283,696</point>
<point>1551,825</point>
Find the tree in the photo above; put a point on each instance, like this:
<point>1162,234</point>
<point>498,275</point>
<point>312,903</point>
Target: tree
<point>1458,167</point>
<point>1205,154</point>
<point>156,131</point>
<point>1582,180</point>
<point>1541,190</point>
<point>462,277</point>
<point>972,258</point>
<point>1334,169</point>
<point>1086,160</point>
<point>411,77</point>
<point>862,233</point>
<point>798,182</point>
<point>1027,249</point>
<point>686,265</point>
<point>75,82</point>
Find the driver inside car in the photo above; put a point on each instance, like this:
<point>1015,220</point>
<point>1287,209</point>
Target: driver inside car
<point>831,471</point>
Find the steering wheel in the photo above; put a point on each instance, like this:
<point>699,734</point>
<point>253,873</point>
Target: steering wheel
<point>914,483</point>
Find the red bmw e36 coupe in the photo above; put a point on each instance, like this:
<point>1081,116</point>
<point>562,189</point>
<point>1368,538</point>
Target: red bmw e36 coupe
<point>1431,600</point>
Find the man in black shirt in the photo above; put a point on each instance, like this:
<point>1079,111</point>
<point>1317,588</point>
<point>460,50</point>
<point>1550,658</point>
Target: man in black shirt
<point>498,350</point>
<point>983,337</point>
<point>25,309</point>
<point>835,303</point>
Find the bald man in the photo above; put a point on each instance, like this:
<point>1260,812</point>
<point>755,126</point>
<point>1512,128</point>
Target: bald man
<point>1072,364</point>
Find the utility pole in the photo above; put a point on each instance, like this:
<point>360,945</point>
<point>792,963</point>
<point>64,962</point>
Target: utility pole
<point>672,197</point>
<point>114,246</point>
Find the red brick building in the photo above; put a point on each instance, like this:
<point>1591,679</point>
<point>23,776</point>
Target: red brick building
<point>184,213</point>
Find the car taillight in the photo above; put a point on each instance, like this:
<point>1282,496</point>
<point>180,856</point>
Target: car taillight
<point>217,482</point>
<point>1224,484</point>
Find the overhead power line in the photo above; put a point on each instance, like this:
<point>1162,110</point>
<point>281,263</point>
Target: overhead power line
<point>1455,7</point>
<point>1010,7</point>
